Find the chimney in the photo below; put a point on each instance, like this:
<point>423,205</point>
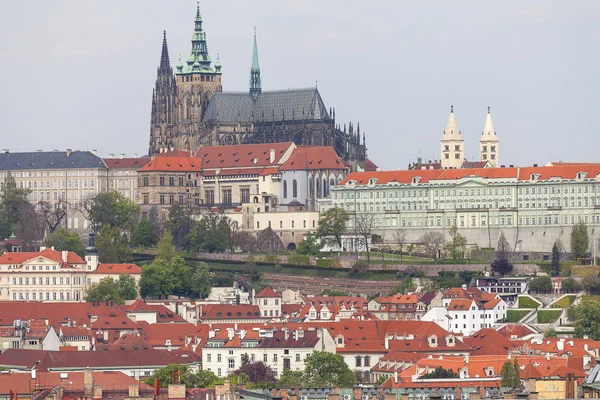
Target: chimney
<point>135,155</point>
<point>88,382</point>
<point>65,255</point>
<point>112,155</point>
<point>122,155</point>
<point>69,151</point>
<point>272,156</point>
<point>134,391</point>
<point>95,152</point>
<point>395,376</point>
<point>5,150</point>
<point>387,342</point>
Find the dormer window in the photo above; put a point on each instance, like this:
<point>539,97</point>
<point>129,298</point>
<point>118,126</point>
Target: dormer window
<point>416,179</point>
<point>534,177</point>
<point>581,175</point>
<point>373,181</point>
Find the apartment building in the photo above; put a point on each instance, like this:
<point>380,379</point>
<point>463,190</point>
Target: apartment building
<point>122,175</point>
<point>532,206</point>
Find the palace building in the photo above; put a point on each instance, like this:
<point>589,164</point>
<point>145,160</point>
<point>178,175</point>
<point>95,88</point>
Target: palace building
<point>532,206</point>
<point>191,110</point>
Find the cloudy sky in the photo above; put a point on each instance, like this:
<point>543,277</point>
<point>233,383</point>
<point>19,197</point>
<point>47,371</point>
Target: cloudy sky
<point>79,74</point>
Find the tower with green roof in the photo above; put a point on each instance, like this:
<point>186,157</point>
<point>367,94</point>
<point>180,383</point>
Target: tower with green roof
<point>255,85</point>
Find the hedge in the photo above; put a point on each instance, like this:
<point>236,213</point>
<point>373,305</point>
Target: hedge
<point>564,302</point>
<point>329,263</point>
<point>299,259</point>
<point>548,316</point>
<point>271,259</point>
<point>584,270</point>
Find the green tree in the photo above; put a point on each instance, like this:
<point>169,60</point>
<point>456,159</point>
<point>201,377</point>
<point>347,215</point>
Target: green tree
<point>292,379</point>
<point>165,374</point>
<point>310,246</point>
<point>516,373</point>
<point>64,240</point>
<point>328,369</point>
<point>203,379</point>
<point>212,233</point>
<point>332,225</point>
<point>179,222</point>
<point>110,208</point>
<point>127,287</point>
<point>503,249</point>
<point>112,245</point>
<point>109,289</point>
<point>441,373</point>
<point>166,248</point>
<point>201,282</point>
<point>580,241</point>
<point>448,279</point>
<point>591,283</point>
<point>433,241</point>
<point>502,266</point>
<point>550,333</point>
<point>105,290</point>
<point>555,261</point>
<point>457,246</point>
<point>586,318</point>
<point>541,284</point>
<point>164,278</point>
<point>570,285</point>
<point>143,235</point>
<point>508,374</point>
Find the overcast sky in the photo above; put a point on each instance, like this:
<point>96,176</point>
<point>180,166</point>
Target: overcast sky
<point>79,74</point>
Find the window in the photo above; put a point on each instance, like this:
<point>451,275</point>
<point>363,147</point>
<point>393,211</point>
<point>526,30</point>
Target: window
<point>231,363</point>
<point>145,180</point>
<point>358,361</point>
<point>218,357</point>
<point>274,357</point>
<point>171,181</point>
<point>245,195</point>
<point>209,196</point>
<point>162,181</point>
<point>294,188</point>
<point>265,358</point>
<point>227,196</point>
<point>285,189</point>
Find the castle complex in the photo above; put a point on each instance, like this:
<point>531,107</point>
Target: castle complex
<point>190,109</point>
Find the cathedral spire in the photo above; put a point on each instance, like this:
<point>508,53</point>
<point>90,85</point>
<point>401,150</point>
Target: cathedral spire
<point>488,128</point>
<point>255,83</point>
<point>488,142</point>
<point>199,60</point>
<point>165,65</point>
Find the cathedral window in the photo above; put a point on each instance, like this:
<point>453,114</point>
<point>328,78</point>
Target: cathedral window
<point>295,188</point>
<point>285,189</point>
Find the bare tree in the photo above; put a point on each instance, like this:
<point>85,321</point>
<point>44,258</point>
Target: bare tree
<point>52,214</point>
<point>503,249</point>
<point>399,236</point>
<point>363,225</point>
<point>433,242</point>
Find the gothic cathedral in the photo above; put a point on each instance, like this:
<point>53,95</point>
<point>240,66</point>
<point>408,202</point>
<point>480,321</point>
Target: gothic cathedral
<point>190,109</point>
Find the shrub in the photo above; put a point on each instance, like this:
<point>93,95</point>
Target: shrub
<point>359,268</point>
<point>584,270</point>
<point>541,284</point>
<point>271,259</point>
<point>298,259</point>
<point>329,263</point>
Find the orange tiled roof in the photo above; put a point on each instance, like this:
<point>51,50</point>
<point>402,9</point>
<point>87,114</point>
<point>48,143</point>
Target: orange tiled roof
<point>568,171</point>
<point>169,162</point>
<point>56,256</point>
<point>241,156</point>
<point>267,292</point>
<point>132,163</point>
<point>313,157</point>
<point>117,269</point>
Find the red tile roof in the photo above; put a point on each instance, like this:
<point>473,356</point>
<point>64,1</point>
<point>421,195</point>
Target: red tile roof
<point>313,157</point>
<point>61,360</point>
<point>242,156</point>
<point>22,383</point>
<point>524,173</point>
<point>117,269</point>
<point>267,292</point>
<point>131,163</point>
<point>56,256</point>
<point>227,311</point>
<point>173,163</point>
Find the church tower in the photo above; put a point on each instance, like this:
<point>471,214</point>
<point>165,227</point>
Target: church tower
<point>488,143</point>
<point>453,150</point>
<point>197,81</point>
<point>163,117</point>
<point>255,85</point>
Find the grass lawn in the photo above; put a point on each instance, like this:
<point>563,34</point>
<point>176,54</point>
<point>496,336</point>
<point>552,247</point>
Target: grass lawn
<point>548,316</point>
<point>526,302</point>
<point>564,302</point>
<point>516,315</point>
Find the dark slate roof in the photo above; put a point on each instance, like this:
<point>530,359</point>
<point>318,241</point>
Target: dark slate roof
<point>291,104</point>
<point>49,160</point>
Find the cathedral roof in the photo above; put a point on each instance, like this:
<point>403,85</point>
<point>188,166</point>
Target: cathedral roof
<point>313,157</point>
<point>488,134</point>
<point>50,160</point>
<point>452,126</point>
<point>277,105</point>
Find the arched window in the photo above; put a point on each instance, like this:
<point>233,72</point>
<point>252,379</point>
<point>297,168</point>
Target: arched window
<point>285,189</point>
<point>294,188</point>
<point>325,188</point>
<point>255,199</point>
<point>331,183</point>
